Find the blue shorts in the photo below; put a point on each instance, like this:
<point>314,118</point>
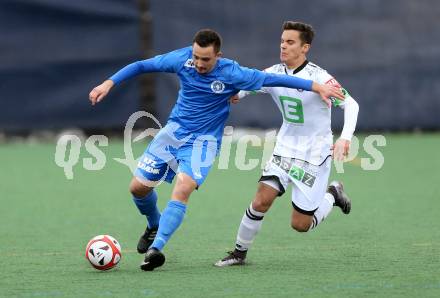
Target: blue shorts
<point>171,152</point>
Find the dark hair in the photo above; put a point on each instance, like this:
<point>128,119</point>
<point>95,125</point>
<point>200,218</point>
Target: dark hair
<point>208,37</point>
<point>306,31</point>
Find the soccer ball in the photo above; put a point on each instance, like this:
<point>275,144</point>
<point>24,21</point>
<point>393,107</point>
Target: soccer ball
<point>103,252</point>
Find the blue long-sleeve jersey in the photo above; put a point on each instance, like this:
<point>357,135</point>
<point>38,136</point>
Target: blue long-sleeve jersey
<point>202,105</point>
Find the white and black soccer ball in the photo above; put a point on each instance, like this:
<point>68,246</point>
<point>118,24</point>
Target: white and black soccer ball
<point>103,252</point>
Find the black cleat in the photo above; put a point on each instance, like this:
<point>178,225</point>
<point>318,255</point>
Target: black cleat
<point>341,199</point>
<point>233,258</point>
<point>153,259</point>
<point>146,240</point>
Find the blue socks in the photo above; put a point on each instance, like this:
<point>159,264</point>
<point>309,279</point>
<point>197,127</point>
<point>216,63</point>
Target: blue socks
<point>172,217</point>
<point>148,207</point>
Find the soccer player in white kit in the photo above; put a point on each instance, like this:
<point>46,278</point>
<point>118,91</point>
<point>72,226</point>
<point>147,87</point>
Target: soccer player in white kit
<point>303,152</point>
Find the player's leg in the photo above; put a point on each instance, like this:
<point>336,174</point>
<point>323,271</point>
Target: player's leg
<point>301,221</point>
<point>145,199</point>
<point>250,225</point>
<point>191,175</point>
<point>173,214</point>
<point>335,196</point>
<point>171,219</point>
<point>304,220</point>
<point>312,203</point>
<point>150,171</point>
<point>252,219</point>
<point>273,183</point>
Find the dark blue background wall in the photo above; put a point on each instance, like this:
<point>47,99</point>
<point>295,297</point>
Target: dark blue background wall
<point>52,52</point>
<point>386,53</point>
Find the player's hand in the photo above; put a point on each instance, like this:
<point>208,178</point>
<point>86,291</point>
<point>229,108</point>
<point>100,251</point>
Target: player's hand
<point>234,99</point>
<point>100,91</point>
<point>327,91</point>
<point>341,149</point>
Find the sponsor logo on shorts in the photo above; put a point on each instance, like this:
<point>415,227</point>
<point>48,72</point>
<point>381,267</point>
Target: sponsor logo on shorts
<point>147,168</point>
<point>301,175</point>
<point>308,179</point>
<point>294,171</point>
<point>148,165</point>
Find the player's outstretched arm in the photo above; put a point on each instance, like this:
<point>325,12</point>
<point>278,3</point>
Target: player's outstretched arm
<point>327,91</point>
<point>341,147</point>
<point>99,92</point>
<point>168,62</point>
<point>237,97</point>
<point>129,71</point>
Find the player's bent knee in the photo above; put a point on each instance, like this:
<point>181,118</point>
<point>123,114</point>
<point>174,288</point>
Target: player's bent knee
<point>138,189</point>
<point>185,185</point>
<point>261,205</point>
<point>301,227</point>
<point>183,191</point>
<point>263,200</point>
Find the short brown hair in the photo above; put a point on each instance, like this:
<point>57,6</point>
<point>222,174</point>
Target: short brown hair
<point>306,31</point>
<point>208,37</point>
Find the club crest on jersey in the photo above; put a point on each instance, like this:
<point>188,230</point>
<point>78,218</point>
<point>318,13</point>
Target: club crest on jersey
<point>217,87</point>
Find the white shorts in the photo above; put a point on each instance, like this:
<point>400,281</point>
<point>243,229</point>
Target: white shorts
<point>309,182</point>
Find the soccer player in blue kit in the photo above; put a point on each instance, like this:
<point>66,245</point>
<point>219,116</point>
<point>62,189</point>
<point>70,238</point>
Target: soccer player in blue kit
<point>188,144</point>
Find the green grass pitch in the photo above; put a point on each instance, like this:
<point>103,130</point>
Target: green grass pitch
<point>387,247</point>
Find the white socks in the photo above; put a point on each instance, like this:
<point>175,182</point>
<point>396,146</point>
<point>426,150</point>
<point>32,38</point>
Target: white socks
<point>323,210</point>
<point>252,221</point>
<point>249,227</point>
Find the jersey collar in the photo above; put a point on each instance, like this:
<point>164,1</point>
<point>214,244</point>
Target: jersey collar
<point>298,69</point>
